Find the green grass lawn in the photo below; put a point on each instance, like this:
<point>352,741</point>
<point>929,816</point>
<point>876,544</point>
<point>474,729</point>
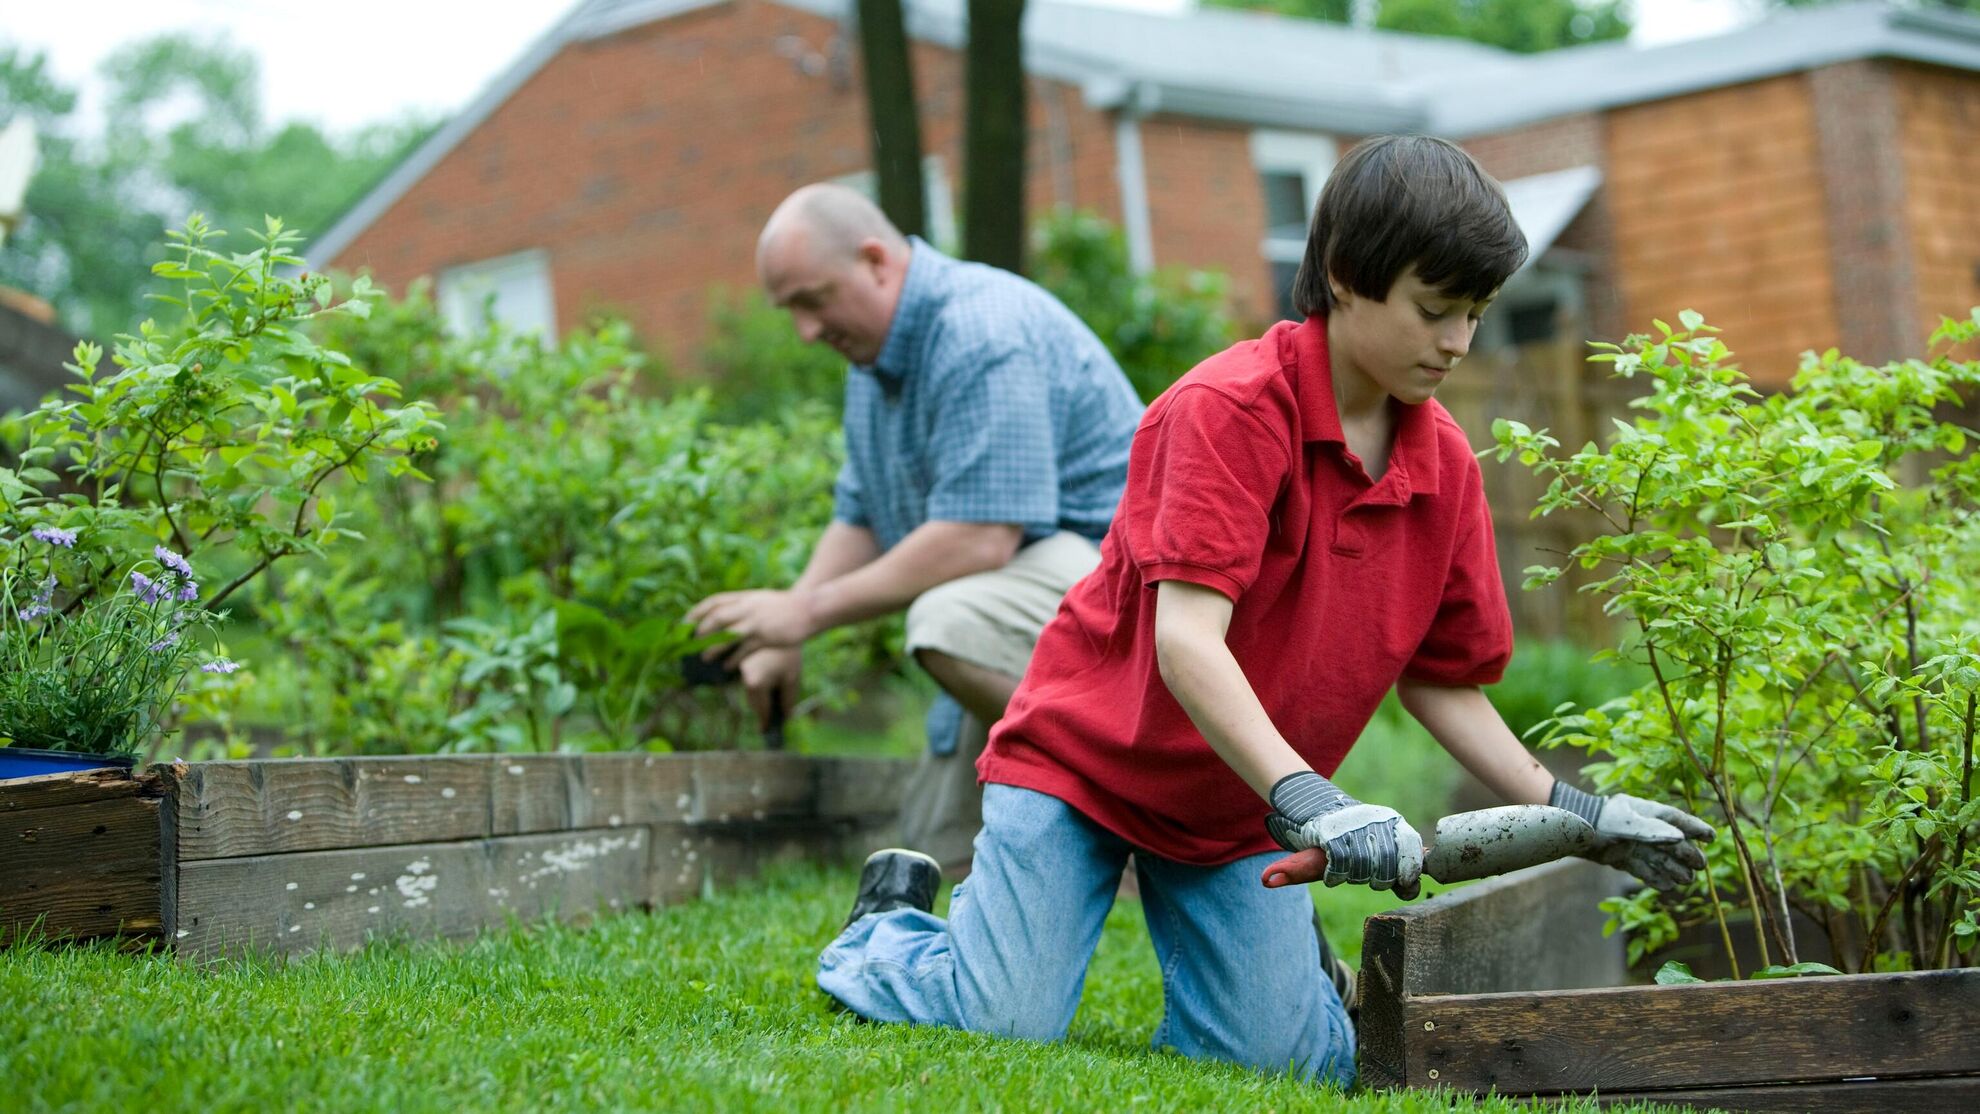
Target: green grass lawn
<point>706,1006</point>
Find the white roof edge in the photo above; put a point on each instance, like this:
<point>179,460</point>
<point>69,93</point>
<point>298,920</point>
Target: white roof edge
<point>1545,204</point>
<point>1366,116</point>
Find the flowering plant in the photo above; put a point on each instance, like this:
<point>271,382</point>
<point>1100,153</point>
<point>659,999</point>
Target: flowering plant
<point>95,671</point>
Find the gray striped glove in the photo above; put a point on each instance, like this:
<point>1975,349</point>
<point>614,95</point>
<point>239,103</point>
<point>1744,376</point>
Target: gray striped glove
<point>1649,840</point>
<point>1365,844</point>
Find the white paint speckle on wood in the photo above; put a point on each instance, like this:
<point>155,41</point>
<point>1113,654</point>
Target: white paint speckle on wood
<point>183,933</point>
<point>373,909</point>
<point>683,801</point>
<point>295,814</point>
<point>578,855</point>
<point>516,770</point>
<point>412,779</point>
<point>295,928</point>
<point>309,904</point>
<point>615,820</point>
<point>350,889</point>
<point>290,886</point>
<point>416,886</point>
<point>448,792</point>
<point>358,876</point>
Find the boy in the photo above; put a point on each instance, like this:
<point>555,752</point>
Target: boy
<point>1302,529</point>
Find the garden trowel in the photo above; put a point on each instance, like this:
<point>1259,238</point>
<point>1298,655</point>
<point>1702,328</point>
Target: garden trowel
<point>1471,845</point>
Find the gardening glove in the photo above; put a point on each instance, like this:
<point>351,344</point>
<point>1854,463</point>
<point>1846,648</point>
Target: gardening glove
<point>1365,844</point>
<point>1649,840</point>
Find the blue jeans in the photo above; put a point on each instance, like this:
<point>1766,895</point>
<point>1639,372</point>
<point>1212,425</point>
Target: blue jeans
<point>1241,977</point>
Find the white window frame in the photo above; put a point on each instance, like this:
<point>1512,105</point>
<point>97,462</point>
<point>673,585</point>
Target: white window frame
<point>936,194</point>
<point>1310,156</point>
<point>531,310</point>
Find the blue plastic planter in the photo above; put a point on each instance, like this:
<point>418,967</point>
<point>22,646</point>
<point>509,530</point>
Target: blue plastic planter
<point>18,762</point>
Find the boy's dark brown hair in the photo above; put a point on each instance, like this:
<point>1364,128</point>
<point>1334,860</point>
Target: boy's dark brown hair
<point>1398,200</point>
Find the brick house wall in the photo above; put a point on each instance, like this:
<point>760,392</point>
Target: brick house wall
<point>1206,208</point>
<point>1562,144</point>
<point>645,163</point>
<point>1719,206</point>
<point>1939,111</point>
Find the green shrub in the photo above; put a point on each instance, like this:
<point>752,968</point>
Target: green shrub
<point>573,519</point>
<point>218,432</point>
<point>1157,326</point>
<point>1811,633</point>
<point>1545,676</point>
<point>754,364</point>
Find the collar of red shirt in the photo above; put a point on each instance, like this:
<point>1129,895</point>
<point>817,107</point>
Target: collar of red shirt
<point>1415,452</point>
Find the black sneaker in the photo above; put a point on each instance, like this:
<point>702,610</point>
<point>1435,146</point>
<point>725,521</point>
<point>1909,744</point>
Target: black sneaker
<point>1339,973</point>
<point>896,878</point>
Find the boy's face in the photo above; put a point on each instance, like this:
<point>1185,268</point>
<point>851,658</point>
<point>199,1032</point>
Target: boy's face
<point>1407,344</point>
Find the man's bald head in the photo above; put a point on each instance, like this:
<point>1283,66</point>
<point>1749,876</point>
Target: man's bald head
<point>832,221</point>
<point>834,260</point>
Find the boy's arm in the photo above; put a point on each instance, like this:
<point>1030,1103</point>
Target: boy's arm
<point>1191,622</point>
<point>1645,838</point>
<point>1367,844</point>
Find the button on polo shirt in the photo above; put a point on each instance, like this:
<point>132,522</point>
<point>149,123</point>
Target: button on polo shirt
<point>1240,480</point>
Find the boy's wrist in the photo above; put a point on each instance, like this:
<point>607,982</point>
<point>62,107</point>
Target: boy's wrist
<point>1582,803</point>
<point>1303,795</point>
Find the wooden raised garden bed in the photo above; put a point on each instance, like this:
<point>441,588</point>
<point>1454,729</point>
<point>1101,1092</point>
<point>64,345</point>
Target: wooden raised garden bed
<point>294,855</point>
<point>1508,986</point>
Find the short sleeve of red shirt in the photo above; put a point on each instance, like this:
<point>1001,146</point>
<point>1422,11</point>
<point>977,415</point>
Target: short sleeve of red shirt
<point>1200,490</point>
<point>1470,640</point>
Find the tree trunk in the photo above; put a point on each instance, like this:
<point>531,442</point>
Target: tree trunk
<point>890,108</point>
<point>994,135</point>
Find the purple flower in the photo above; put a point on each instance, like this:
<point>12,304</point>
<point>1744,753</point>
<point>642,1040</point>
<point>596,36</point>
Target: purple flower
<point>55,535</point>
<point>188,591</point>
<point>172,561</point>
<point>220,665</point>
<point>147,589</point>
<point>164,643</point>
<point>42,598</point>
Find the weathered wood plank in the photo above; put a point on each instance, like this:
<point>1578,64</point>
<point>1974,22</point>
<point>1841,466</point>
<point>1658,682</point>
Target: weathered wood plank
<point>1704,1034</point>
<point>861,787</point>
<point>54,790</point>
<point>1535,929</point>
<point>1944,1095</point>
<point>735,786</point>
<point>338,899</point>
<point>84,868</point>
<point>553,792</point>
<point>273,806</point>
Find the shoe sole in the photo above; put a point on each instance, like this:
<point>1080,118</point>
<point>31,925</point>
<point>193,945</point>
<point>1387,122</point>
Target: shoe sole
<point>910,853</point>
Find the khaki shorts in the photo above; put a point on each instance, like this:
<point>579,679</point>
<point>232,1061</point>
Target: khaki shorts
<point>991,619</point>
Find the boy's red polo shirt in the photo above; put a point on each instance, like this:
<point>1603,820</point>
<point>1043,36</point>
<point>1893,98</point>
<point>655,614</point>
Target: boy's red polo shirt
<point>1240,480</point>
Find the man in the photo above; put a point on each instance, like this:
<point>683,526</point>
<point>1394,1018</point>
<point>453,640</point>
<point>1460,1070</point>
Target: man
<point>987,434</point>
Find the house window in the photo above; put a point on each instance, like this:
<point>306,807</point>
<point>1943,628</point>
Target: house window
<point>1534,322</point>
<point>1291,167</point>
<point>936,196</point>
<point>513,290</point>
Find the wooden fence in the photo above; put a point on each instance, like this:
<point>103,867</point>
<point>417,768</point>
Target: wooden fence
<point>1549,386</point>
<point>294,855</point>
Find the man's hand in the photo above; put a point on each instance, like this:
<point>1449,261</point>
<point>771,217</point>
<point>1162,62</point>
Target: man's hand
<point>767,672</point>
<point>1649,840</point>
<point>759,619</point>
<point>1365,844</point>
